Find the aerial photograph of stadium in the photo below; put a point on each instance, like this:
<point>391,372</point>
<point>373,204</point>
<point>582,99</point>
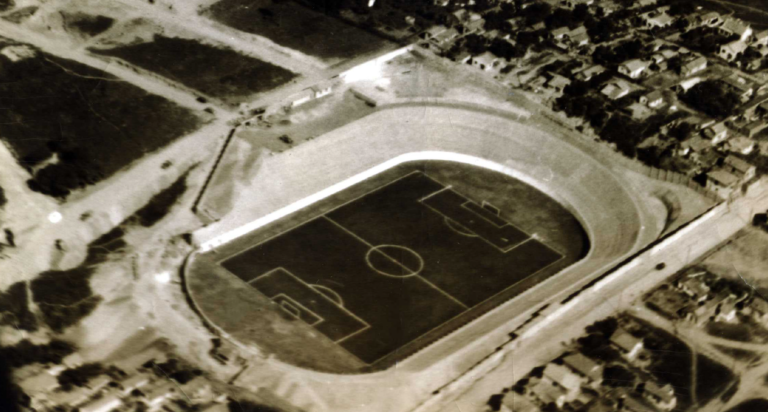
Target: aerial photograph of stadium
<point>383,205</point>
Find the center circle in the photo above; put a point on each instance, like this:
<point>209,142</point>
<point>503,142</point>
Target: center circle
<point>394,261</point>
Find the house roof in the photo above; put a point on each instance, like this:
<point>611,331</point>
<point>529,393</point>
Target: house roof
<point>615,90</point>
<point>697,144</point>
<point>722,177</point>
<point>695,63</point>
<point>105,404</point>
<point>562,376</point>
<point>592,71</point>
<point>688,83</point>
<point>624,340</point>
<point>738,164</point>
<point>559,32</point>
<point>558,81</point>
<point>654,95</point>
<point>580,38</point>
<point>740,143</point>
<point>583,365</point>
<point>661,20</point>
<point>635,405</point>
<point>696,285</point>
<point>760,305</point>
<point>738,82</point>
<point>710,15</point>
<point>519,403</point>
<point>761,36</point>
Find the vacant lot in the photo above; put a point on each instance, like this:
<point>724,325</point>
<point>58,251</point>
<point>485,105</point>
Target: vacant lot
<point>215,71</point>
<point>73,125</point>
<point>297,27</point>
<point>422,252</point>
<point>744,259</point>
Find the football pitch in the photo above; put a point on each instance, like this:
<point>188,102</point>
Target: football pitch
<point>384,273</point>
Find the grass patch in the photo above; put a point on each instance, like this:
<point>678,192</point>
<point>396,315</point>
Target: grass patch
<point>14,308</point>
<point>87,24</point>
<point>94,124</point>
<point>160,204</point>
<point>215,71</point>
<point>297,27</point>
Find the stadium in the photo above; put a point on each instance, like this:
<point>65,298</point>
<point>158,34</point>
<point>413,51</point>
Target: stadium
<point>411,237</point>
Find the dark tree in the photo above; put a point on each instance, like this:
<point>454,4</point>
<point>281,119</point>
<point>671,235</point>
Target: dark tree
<point>79,376</point>
<point>712,98</point>
<point>618,377</point>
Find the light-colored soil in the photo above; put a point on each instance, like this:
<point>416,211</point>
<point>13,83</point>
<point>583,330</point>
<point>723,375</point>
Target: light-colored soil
<point>744,257</point>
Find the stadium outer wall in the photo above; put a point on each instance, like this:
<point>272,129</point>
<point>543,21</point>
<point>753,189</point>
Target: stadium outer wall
<point>610,211</point>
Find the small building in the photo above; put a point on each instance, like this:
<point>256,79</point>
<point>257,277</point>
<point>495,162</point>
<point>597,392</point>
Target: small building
<point>159,394</point>
<point>300,98</point>
<point>560,33</point>
<point>694,66</point>
<point>658,20</point>
<point>733,50</point>
<point>739,86</point>
<point>563,377</point>
<point>653,99</point>
<point>662,397</point>
<point>18,52</point>
<point>751,129</point>
<point>633,68</point>
<point>734,26</point>
<point>695,287</point>
<point>134,382</point>
<point>632,404</point>
<point>585,367</point>
<point>711,19</point>
<point>686,84</point>
<point>627,344</point>
<point>759,309</point>
<point>716,133</point>
<point>558,83</point>
<point>695,145</point>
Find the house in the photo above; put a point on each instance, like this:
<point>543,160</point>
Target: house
<point>461,15</point>
<point>560,33</point>
<point>633,68</point>
<point>300,98</point>
<point>134,382</point>
<point>18,52</point>
<point>104,404</point>
<point>638,111</point>
<point>716,133</point>
<point>558,83</point>
<point>759,309</point>
<point>653,99</point>
<point>486,61</point>
<point>663,397</point>
<point>657,20</point>
<point>686,84</point>
<point>616,89</point>
<point>475,24</point>
<point>694,66</point>
<point>739,85</point>
<point>754,64</point>
<point>444,39</point>
<point>741,144</point>
<point>734,26</point>
<point>695,287</point>
<point>321,90</point>
<point>579,40</point>
<point>585,367</point>
<point>695,145</point>
<point>627,344</point>
<point>760,39</point>
<point>513,402</point>
<point>632,404</point>
<point>159,394</point>
<point>569,382</point>
<point>721,182</point>
<point>590,72</point>
<point>547,393</point>
<point>711,19</point>
<point>751,129</point>
<point>739,167</point>
<point>731,51</point>
<point>571,4</point>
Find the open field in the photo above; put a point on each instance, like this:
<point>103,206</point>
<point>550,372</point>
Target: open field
<point>743,258</point>
<point>414,239</point>
<point>72,125</point>
<point>218,72</point>
<point>297,27</point>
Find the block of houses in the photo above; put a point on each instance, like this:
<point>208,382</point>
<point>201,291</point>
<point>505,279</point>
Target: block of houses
<point>734,26</point>
<point>653,99</point>
<point>628,345</point>
<point>585,367</point>
<point>661,396</point>
<point>633,68</point>
<point>616,89</point>
<point>731,51</point>
<point>590,72</point>
<point>694,66</point>
<point>717,133</point>
<point>740,144</point>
